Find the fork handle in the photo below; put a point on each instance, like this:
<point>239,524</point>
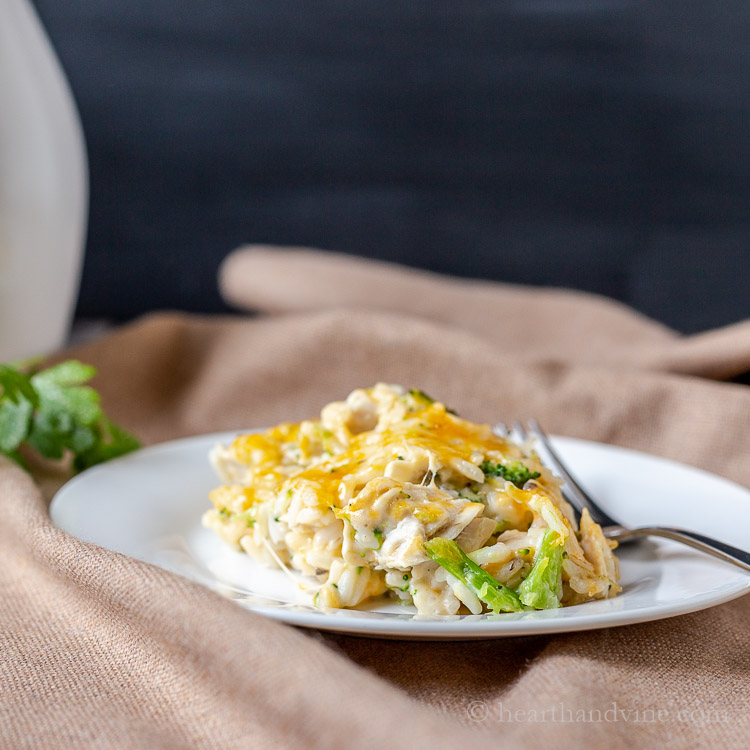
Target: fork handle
<point>723,551</point>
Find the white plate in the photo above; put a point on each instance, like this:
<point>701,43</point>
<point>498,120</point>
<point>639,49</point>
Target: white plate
<point>148,505</point>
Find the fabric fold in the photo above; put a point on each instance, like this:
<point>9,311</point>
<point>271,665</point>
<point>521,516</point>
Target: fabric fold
<point>539,323</point>
<point>100,650</point>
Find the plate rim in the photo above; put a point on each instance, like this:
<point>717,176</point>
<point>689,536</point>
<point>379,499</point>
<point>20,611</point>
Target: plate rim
<point>360,623</point>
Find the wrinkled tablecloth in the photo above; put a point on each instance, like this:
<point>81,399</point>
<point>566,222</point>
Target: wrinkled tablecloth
<point>98,650</point>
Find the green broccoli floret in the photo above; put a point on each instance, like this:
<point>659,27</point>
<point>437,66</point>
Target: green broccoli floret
<point>421,396</point>
<point>514,472</point>
<point>425,400</point>
<point>541,587</point>
<point>497,596</point>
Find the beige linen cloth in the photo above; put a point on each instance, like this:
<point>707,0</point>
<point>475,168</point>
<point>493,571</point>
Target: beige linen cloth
<point>98,650</point>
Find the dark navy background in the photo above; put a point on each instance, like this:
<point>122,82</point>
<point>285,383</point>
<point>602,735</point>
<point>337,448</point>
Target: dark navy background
<point>597,145</point>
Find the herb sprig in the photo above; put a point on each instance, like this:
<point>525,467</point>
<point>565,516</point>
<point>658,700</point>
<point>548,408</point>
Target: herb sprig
<point>54,413</point>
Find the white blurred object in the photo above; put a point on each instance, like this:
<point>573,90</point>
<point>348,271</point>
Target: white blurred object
<point>43,189</point>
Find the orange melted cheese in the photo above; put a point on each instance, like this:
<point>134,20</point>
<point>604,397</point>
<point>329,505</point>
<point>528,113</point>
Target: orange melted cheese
<point>431,429</point>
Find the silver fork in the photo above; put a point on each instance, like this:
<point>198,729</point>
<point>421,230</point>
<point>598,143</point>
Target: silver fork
<point>613,529</point>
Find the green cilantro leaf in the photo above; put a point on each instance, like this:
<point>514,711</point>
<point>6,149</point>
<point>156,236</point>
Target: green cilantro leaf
<point>15,418</point>
<point>16,386</point>
<point>117,442</point>
<point>60,391</point>
<point>70,372</point>
<point>53,412</point>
